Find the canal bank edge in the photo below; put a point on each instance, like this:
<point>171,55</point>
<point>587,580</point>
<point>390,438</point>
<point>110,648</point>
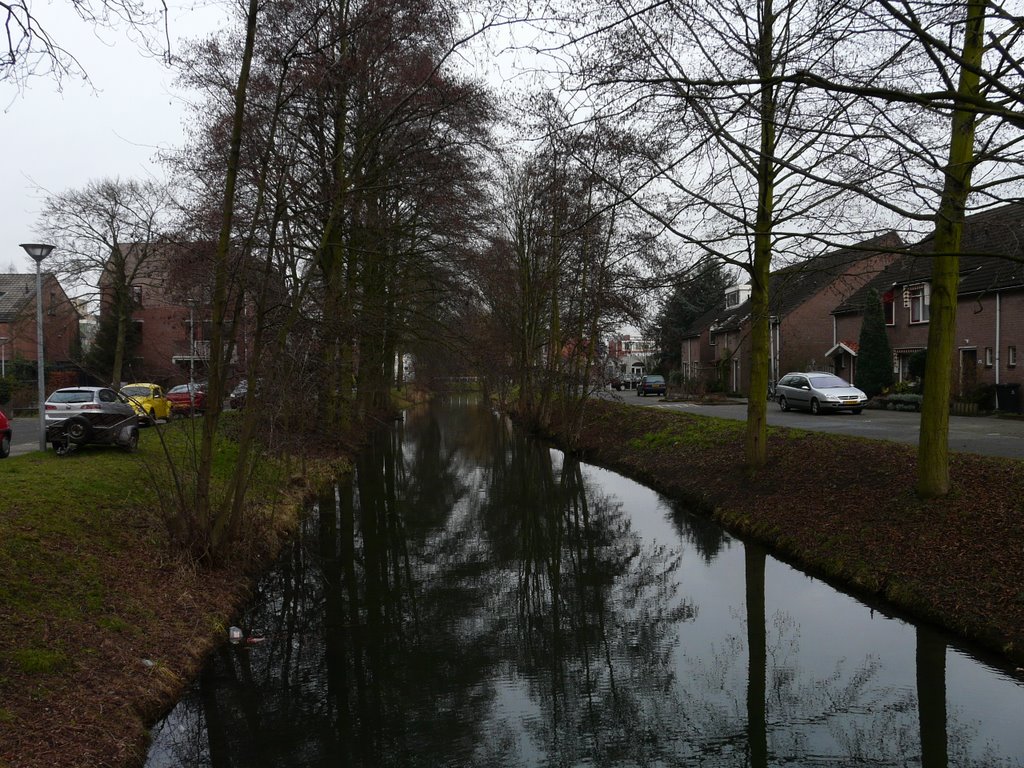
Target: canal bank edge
<point>844,509</point>
<point>103,684</point>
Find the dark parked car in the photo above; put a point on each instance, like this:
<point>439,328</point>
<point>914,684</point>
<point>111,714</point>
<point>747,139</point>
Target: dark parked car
<point>652,384</point>
<point>186,399</point>
<point>816,391</point>
<point>624,381</point>
<point>237,397</point>
<point>5,436</point>
<point>77,416</point>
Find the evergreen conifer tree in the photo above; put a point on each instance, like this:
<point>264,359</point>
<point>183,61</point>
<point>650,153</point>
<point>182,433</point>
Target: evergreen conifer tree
<point>874,356</point>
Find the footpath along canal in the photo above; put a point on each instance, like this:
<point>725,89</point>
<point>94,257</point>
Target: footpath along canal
<point>471,597</point>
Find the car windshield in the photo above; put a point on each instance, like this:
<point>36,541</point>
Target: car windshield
<point>72,396</point>
<point>181,389</point>
<point>829,382</point>
<point>135,391</point>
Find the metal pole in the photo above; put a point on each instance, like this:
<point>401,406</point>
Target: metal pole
<point>38,252</point>
<point>40,363</point>
<point>191,348</point>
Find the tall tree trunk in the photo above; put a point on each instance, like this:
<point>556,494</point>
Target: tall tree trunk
<point>933,448</point>
<point>222,528</point>
<point>756,446</point>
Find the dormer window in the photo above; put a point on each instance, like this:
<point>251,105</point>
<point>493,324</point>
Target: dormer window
<point>736,295</point>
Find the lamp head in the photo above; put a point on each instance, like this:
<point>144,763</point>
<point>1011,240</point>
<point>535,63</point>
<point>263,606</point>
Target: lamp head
<point>38,251</point>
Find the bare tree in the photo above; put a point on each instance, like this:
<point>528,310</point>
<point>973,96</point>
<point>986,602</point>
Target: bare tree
<point>31,49</point>
<point>962,151</point>
<point>108,234</point>
<point>728,155</point>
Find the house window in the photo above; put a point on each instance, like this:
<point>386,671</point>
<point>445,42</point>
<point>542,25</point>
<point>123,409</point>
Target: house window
<point>988,357</point>
<point>137,295</point>
<point>732,298</point>
<point>917,299</point>
<point>1011,357</point>
<point>889,307</point>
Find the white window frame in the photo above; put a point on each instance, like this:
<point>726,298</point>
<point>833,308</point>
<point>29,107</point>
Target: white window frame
<point>917,300</point>
<point>988,357</point>
<point>1011,357</point>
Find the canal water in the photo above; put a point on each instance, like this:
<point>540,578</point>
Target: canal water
<point>471,598</point>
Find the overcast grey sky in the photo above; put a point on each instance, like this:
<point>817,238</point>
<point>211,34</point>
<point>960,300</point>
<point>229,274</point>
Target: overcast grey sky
<point>61,140</point>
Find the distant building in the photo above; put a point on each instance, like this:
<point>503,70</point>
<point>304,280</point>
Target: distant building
<point>61,343</point>
<point>802,333</point>
<point>629,356</point>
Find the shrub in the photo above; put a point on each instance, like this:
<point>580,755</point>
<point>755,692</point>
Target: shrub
<point>982,394</point>
<point>874,361</point>
<point>901,401</point>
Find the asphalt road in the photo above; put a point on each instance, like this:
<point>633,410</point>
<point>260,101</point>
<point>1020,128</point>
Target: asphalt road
<point>986,435</point>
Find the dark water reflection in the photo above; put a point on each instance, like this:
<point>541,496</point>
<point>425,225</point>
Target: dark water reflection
<point>473,598</point>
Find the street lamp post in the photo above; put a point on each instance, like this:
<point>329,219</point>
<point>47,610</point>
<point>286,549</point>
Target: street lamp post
<point>38,252</point>
<point>3,356</point>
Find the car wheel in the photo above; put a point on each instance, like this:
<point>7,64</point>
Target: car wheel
<point>856,411</point>
<point>78,430</point>
<point>5,446</point>
<point>783,405</point>
<point>133,441</point>
<point>62,447</point>
<point>815,408</point>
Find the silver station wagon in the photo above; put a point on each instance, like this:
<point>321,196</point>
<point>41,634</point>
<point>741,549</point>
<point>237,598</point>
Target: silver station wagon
<point>815,391</point>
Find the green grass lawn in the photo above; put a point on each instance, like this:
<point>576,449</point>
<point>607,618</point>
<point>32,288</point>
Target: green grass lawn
<point>103,620</point>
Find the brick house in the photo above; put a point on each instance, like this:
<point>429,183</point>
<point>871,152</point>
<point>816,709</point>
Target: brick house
<point>171,311</point>
<point>801,298</point>
<point>18,340</point>
<point>990,303</point>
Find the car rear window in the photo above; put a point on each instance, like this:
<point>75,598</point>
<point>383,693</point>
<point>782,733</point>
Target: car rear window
<point>178,390</point>
<point>655,379</point>
<point>72,396</point>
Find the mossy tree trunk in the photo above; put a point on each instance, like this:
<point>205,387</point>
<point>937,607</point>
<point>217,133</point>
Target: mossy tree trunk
<point>756,444</point>
<point>933,447</point>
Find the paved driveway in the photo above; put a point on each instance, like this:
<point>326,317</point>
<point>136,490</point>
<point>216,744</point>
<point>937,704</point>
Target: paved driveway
<point>25,436</point>
<point>988,435</point>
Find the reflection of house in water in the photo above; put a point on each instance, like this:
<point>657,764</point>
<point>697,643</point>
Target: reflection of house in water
<point>628,355</point>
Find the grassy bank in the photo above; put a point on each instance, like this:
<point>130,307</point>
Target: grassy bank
<point>103,624</point>
<point>844,508</point>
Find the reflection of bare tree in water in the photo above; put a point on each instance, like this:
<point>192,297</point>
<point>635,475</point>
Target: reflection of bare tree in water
<point>468,601</point>
<point>598,613</point>
<point>700,531</point>
<point>848,717</point>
